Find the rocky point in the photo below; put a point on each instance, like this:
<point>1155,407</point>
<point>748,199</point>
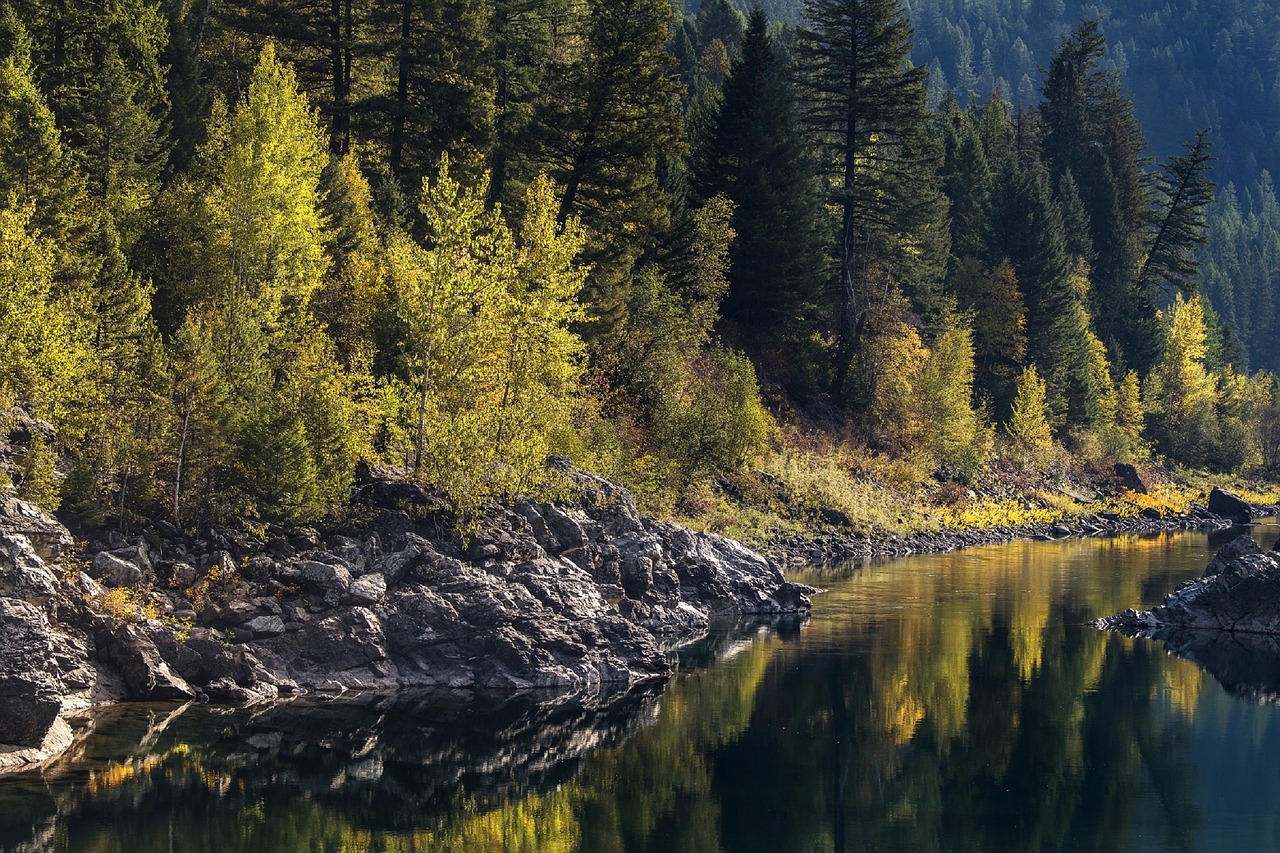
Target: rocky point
<point>584,592</point>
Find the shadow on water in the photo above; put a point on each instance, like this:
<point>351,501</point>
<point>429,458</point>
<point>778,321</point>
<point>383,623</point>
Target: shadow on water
<point>953,702</point>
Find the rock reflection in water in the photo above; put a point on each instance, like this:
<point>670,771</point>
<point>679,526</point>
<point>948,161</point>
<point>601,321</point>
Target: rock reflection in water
<point>250,778</point>
<point>1246,665</point>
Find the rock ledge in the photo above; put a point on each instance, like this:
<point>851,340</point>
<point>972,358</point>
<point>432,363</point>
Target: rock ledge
<point>584,593</point>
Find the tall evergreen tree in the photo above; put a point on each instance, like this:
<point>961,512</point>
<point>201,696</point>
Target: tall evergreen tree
<point>442,95</point>
<point>607,115</point>
<point>967,179</point>
<point>867,106</point>
<point>757,157</point>
<point>37,168</point>
<point>1030,226</point>
<point>1185,191</point>
<point>100,67</point>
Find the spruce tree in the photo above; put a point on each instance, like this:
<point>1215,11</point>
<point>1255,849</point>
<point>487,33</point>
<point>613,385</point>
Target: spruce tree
<point>441,96</point>
<point>1185,192</point>
<point>866,106</point>
<point>101,69</point>
<point>1030,227</point>
<point>757,157</point>
<point>607,115</point>
<point>35,165</point>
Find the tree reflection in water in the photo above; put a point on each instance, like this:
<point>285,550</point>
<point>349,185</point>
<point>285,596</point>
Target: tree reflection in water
<point>946,703</point>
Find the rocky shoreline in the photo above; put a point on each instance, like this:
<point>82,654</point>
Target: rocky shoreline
<point>1239,593</point>
<point>578,593</point>
<point>1222,511</point>
<point>1227,621</point>
<point>571,594</point>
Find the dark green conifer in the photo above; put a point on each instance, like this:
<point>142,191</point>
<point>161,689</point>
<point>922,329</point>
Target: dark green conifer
<point>757,156</point>
<point>866,107</point>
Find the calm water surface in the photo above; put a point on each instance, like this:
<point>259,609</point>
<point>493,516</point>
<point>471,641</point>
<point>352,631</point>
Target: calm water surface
<point>938,703</point>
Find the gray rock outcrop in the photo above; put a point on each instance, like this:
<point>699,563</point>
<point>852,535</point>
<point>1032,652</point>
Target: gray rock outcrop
<point>1229,505</point>
<point>582,594</point>
<point>1239,592</point>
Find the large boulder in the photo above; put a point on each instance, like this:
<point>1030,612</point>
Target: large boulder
<point>1132,478</point>
<point>1230,506</point>
<point>30,690</point>
<point>146,672</point>
<point>114,571</point>
<point>1239,592</point>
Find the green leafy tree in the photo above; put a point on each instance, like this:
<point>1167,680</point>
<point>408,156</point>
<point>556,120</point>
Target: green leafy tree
<point>953,431</point>
<point>497,371</point>
<point>354,292</point>
<point>46,359</point>
<point>1180,395</point>
<point>262,206</point>
<point>1028,424</point>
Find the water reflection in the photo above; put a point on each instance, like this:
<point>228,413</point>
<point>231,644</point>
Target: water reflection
<point>952,702</point>
<point>1246,665</point>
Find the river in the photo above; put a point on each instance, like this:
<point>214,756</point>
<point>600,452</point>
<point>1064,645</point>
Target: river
<point>935,703</point>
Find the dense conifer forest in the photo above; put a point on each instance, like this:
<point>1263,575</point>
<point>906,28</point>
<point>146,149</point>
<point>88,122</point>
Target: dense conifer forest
<point>246,245</point>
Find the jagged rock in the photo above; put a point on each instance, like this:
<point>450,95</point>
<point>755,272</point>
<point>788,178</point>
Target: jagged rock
<point>579,594</point>
<point>1239,591</point>
<point>368,589</point>
<point>1132,478</point>
<point>183,574</point>
<point>325,578</point>
<point>1229,505</point>
<point>30,691</point>
<point>219,563</point>
<point>48,538</point>
<point>23,575</point>
<point>113,571</point>
<point>265,626</point>
<point>147,674</point>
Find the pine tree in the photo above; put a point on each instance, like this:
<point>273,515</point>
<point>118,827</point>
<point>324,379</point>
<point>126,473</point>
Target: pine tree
<point>100,67</point>
<point>35,165</point>
<point>522,35</point>
<point>967,180</point>
<point>999,316</point>
<point>867,108</point>
<point>607,115</point>
<point>443,94</point>
<point>1030,226</point>
<point>1186,191</point>
<point>757,157</point>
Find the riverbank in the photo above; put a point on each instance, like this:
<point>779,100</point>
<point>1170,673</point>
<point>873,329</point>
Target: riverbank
<point>832,548</point>
<point>806,516</point>
<point>582,592</point>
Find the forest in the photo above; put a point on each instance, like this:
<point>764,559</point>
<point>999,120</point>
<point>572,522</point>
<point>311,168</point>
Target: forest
<point>247,246</point>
